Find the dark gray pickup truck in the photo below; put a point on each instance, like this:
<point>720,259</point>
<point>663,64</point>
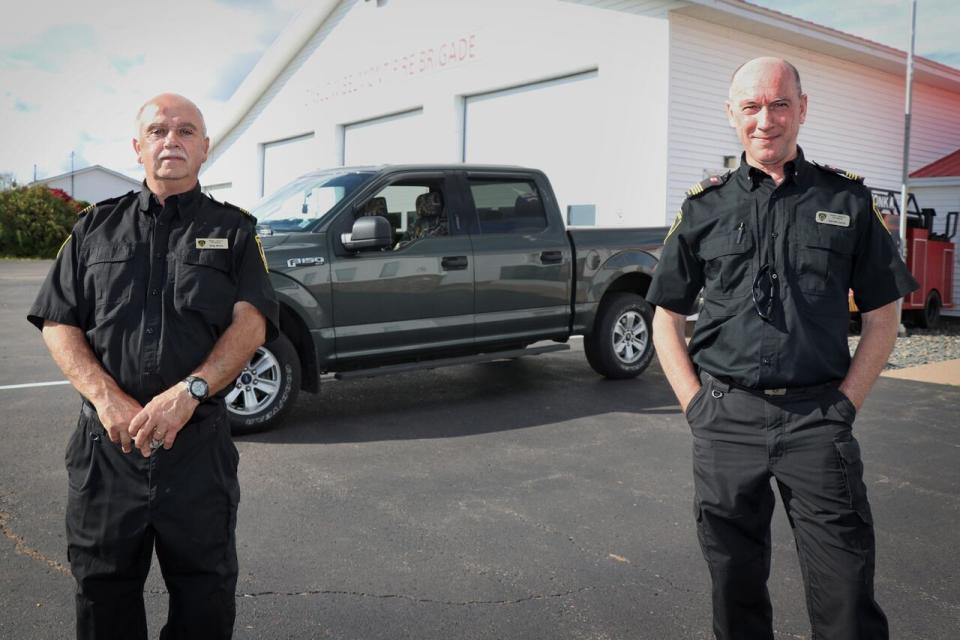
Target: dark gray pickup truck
<point>387,269</point>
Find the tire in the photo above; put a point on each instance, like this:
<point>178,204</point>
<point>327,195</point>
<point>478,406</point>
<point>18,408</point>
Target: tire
<point>929,316</point>
<point>621,344</point>
<point>266,389</point>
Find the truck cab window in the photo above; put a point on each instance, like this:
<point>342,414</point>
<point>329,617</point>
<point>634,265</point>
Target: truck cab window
<point>416,211</point>
<point>505,206</point>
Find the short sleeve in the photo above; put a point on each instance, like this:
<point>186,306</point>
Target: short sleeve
<point>254,283</point>
<point>879,275</point>
<point>58,299</point>
<point>678,277</point>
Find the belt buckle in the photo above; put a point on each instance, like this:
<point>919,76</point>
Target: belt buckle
<point>775,392</point>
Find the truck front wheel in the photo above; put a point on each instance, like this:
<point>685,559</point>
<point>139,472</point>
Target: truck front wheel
<point>266,388</point>
<point>621,344</point>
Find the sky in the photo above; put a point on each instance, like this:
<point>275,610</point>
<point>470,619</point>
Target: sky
<point>74,73</point>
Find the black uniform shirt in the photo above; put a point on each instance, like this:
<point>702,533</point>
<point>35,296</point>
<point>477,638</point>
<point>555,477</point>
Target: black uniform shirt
<point>818,231</point>
<point>154,286</point>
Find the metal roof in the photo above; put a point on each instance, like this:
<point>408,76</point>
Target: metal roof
<point>946,167</point>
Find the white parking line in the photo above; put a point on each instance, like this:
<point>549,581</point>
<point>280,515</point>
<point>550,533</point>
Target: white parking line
<point>33,384</point>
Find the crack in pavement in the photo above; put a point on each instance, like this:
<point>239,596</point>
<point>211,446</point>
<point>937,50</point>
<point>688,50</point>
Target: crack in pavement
<point>22,548</point>
<point>605,555</point>
<point>388,596</point>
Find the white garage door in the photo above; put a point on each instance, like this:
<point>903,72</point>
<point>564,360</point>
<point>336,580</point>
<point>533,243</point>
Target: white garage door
<point>284,160</point>
<point>394,139</point>
<point>554,126</point>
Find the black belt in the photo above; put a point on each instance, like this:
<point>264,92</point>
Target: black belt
<point>725,384</point>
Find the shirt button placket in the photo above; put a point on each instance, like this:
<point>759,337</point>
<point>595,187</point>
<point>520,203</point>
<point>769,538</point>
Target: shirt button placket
<point>154,303</point>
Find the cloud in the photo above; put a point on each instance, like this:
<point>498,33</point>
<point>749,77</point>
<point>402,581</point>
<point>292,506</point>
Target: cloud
<point>48,50</point>
<point>20,105</point>
<point>124,64</point>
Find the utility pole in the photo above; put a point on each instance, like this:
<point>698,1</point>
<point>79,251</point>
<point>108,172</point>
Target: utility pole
<point>71,174</point>
<point>906,150</point>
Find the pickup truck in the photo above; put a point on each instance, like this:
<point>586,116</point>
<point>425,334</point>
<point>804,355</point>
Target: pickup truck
<point>392,268</point>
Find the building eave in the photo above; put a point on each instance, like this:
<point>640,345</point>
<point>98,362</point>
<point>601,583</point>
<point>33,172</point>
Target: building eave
<point>735,14</point>
<point>767,23</point>
<point>947,181</point>
<point>268,69</point>
<point>77,172</point>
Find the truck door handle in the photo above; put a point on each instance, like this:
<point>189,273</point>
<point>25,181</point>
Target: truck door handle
<point>453,263</point>
<point>551,257</point>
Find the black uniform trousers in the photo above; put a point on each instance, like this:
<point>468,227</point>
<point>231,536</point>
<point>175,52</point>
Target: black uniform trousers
<point>183,500</point>
<point>804,440</point>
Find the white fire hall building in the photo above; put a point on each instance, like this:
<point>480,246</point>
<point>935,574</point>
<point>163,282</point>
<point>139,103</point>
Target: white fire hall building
<point>619,102</point>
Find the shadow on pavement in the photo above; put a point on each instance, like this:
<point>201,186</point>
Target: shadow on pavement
<point>467,400</point>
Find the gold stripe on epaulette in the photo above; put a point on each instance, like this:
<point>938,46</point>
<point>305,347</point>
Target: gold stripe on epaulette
<point>263,256</point>
<point>673,227</point>
<point>85,210</point>
<point>60,250</point>
<point>880,217</point>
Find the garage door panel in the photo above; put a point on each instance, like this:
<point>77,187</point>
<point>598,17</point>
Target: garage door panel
<point>394,139</point>
<point>284,160</point>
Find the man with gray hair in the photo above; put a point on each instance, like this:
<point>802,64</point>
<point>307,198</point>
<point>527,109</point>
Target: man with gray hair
<point>155,302</point>
<point>767,384</point>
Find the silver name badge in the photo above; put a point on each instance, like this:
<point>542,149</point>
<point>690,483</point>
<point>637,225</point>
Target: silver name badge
<point>212,243</point>
<point>836,219</point>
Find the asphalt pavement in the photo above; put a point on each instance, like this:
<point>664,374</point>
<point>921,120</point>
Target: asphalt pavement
<point>525,499</point>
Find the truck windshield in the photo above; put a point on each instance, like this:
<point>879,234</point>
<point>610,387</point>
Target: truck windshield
<point>306,200</point>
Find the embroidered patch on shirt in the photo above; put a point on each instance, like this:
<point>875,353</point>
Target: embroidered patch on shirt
<point>836,219</point>
<point>212,243</point>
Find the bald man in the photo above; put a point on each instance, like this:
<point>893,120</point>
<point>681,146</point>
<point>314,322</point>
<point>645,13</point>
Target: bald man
<point>767,384</point>
<point>156,301</point>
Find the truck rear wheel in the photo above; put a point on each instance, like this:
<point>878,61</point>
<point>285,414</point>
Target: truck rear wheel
<point>621,344</point>
<point>266,388</point>
<point>929,316</point>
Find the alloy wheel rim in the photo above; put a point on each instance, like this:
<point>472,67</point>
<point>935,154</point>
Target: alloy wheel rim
<point>630,337</point>
<point>257,385</point>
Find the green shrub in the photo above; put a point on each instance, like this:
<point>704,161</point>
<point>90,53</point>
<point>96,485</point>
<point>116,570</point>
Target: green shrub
<point>34,221</point>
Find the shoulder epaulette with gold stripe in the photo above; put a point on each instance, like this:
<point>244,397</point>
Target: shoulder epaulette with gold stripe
<point>849,175</point>
<point>246,213</point>
<point>240,209</point>
<point>104,203</point>
<point>707,184</point>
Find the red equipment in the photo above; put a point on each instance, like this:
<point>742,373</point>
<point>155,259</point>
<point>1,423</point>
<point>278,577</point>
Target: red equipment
<point>930,256</point>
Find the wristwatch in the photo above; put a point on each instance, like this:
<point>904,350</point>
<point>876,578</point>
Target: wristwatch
<point>197,387</point>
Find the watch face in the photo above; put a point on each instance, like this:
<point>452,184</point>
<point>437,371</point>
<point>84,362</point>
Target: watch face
<point>198,388</point>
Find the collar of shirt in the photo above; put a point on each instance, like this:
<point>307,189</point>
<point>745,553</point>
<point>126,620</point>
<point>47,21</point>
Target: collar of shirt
<point>185,203</point>
<point>750,178</point>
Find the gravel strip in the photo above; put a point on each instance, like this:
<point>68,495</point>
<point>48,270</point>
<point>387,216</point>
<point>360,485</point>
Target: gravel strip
<point>922,346</point>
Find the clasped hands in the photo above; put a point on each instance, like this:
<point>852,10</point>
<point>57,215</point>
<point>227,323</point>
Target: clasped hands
<point>151,426</point>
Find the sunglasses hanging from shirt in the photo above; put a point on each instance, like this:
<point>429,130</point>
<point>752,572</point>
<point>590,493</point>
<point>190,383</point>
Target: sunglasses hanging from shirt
<point>765,285</point>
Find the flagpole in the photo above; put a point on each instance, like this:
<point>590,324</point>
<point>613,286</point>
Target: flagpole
<point>904,183</point>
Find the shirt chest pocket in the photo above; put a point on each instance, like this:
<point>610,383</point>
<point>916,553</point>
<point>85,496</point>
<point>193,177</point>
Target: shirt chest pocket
<point>204,284</point>
<point>824,260</point>
<point>728,265</point>
<point>110,274</point>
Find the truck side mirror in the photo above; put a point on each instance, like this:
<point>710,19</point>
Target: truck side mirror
<point>369,232</point>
